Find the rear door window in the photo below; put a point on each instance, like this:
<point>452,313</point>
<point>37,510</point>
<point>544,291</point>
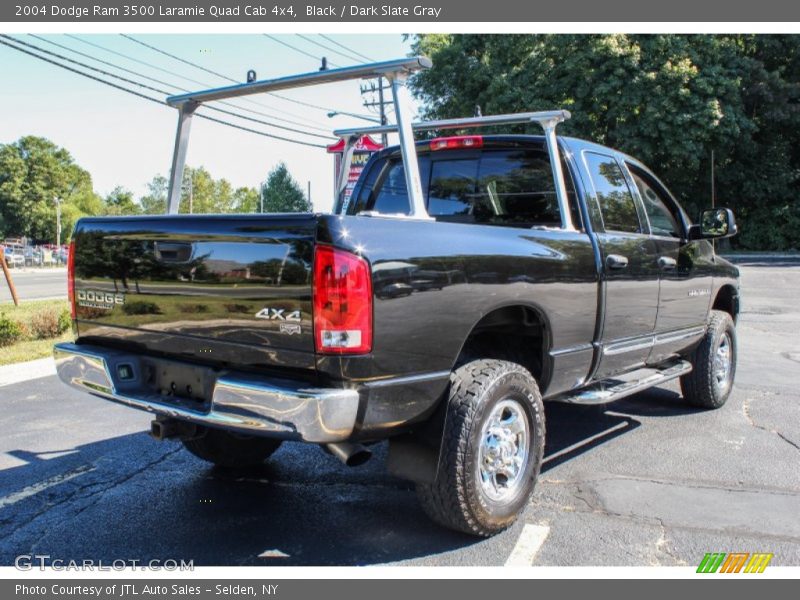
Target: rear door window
<point>617,206</point>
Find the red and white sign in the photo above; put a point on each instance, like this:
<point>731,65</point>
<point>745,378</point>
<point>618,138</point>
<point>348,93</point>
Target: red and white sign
<point>363,149</point>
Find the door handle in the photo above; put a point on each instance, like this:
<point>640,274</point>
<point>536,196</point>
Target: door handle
<point>615,261</point>
<point>665,263</point>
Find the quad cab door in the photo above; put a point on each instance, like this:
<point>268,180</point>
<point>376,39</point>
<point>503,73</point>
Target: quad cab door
<point>685,275</point>
<point>629,266</point>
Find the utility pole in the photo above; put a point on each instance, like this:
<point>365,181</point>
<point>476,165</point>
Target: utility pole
<point>309,192</point>
<point>381,103</point>
<point>713,191</point>
<point>58,220</point>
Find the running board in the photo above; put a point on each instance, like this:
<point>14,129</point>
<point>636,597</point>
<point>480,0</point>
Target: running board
<point>609,390</point>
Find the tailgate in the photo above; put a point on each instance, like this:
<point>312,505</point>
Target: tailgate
<point>215,288</point>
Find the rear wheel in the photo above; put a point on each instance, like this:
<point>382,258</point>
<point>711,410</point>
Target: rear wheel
<point>714,364</point>
<point>491,450</point>
<point>228,449</point>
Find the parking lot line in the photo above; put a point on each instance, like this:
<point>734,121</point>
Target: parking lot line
<point>527,546</point>
<point>34,489</point>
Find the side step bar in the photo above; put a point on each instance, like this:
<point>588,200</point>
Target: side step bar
<point>609,390</point>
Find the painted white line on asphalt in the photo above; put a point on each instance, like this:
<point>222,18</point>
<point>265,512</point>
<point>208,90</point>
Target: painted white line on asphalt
<point>273,554</point>
<point>34,369</point>
<point>527,546</point>
<point>34,489</point>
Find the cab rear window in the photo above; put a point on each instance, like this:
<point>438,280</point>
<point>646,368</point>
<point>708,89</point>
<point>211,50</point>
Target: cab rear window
<point>503,187</point>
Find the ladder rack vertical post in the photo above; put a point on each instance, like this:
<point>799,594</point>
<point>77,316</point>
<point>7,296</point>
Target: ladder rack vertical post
<point>402,107</point>
<point>185,113</point>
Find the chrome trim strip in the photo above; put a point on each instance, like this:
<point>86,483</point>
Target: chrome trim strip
<point>240,402</point>
<point>572,349</point>
<point>680,335</point>
<point>639,343</point>
<point>650,340</point>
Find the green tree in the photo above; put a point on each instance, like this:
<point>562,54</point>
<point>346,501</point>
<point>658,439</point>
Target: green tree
<point>34,174</point>
<point>121,202</point>
<point>155,201</point>
<point>666,99</point>
<point>282,193</point>
<point>200,194</point>
<point>245,200</point>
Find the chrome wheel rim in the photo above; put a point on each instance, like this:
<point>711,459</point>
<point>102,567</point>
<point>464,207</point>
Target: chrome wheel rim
<point>723,359</point>
<point>503,454</point>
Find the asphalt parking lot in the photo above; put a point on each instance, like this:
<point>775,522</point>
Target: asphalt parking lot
<point>643,481</point>
<point>36,283</point>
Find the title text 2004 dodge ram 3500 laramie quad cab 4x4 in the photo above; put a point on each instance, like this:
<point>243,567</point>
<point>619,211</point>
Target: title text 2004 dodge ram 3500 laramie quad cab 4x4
<point>466,280</point>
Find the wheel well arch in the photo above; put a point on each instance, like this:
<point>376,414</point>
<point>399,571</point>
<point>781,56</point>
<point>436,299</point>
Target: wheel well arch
<point>727,299</point>
<point>518,333</point>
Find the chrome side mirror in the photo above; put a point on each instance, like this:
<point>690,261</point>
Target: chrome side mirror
<point>715,223</point>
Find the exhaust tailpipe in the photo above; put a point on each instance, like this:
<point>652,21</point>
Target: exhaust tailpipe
<point>352,455</point>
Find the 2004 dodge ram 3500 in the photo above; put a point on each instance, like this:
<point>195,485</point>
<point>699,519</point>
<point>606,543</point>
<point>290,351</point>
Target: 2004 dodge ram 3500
<point>467,279</point>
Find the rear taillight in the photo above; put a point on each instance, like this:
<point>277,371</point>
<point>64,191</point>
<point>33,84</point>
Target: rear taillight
<point>342,302</point>
<point>458,141</point>
<point>71,279</point>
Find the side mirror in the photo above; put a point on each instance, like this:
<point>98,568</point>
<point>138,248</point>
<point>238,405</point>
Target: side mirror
<point>715,223</point>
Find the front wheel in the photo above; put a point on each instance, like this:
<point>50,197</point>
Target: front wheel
<point>713,364</point>
<point>491,449</point>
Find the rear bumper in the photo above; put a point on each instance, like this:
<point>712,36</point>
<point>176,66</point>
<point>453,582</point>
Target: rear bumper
<point>242,403</point>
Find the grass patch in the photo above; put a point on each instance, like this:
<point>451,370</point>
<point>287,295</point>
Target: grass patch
<point>42,324</point>
<point>30,349</point>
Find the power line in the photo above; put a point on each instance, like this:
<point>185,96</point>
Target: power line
<point>281,96</point>
<point>201,83</point>
<point>104,62</point>
<point>296,49</point>
<point>333,41</point>
<point>328,48</point>
<point>178,58</point>
<point>161,91</point>
<point>150,98</point>
<point>172,85</point>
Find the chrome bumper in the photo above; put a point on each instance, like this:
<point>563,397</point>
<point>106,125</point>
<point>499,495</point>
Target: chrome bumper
<point>243,403</point>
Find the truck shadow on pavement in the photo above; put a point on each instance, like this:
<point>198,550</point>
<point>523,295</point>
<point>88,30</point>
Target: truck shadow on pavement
<point>130,497</point>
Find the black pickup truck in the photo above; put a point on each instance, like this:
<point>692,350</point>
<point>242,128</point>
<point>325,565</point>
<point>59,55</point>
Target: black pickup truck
<point>441,334</point>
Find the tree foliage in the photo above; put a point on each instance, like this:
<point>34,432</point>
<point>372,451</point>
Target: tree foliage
<point>666,99</point>
<point>34,175</point>
<point>35,172</point>
<point>282,193</point>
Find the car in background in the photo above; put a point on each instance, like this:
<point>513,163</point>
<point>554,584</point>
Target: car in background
<point>32,256</point>
<point>15,258</point>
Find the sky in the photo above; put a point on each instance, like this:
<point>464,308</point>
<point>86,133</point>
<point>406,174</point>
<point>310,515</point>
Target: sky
<point>123,140</point>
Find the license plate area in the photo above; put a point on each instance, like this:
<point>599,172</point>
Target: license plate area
<point>183,385</point>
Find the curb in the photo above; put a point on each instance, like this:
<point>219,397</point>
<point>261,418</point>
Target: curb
<point>26,371</point>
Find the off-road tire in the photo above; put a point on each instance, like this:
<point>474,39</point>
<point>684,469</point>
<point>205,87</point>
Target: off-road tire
<point>700,386</point>
<point>455,499</point>
<point>228,449</point>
